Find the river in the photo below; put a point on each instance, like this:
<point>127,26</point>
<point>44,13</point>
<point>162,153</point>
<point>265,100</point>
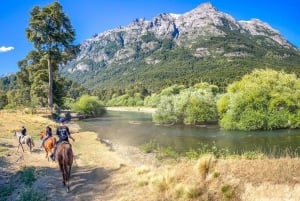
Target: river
<point>136,128</point>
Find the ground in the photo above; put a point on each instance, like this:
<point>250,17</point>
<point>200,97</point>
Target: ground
<point>119,173</point>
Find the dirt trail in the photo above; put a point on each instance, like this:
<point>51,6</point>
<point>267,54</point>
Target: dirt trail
<point>97,173</point>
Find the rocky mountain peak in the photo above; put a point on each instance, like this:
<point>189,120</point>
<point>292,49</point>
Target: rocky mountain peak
<point>257,27</point>
<point>143,37</point>
<point>204,7</point>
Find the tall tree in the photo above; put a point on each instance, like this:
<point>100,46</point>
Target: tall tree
<point>52,34</point>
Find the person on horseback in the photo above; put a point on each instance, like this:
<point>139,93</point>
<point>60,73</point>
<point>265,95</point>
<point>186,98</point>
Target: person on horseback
<point>63,134</point>
<point>23,131</point>
<point>48,135</point>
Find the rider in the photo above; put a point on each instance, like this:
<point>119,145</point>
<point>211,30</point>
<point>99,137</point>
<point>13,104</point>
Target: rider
<point>63,134</point>
<point>48,135</point>
<point>23,131</point>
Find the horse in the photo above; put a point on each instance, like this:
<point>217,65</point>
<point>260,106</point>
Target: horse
<point>64,156</point>
<point>48,144</point>
<point>27,139</point>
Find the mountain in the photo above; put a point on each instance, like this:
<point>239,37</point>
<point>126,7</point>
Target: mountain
<point>203,44</point>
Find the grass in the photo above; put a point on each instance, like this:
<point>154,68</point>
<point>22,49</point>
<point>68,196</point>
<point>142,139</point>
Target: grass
<point>5,191</point>
<point>227,191</point>
<point>28,175</point>
<point>32,195</point>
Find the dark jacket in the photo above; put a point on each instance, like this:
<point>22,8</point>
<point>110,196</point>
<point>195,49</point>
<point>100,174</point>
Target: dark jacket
<point>23,131</point>
<point>63,133</point>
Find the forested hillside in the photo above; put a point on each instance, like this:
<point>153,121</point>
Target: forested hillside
<point>201,45</point>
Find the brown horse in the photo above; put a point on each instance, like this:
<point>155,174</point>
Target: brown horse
<point>64,156</point>
<point>48,144</point>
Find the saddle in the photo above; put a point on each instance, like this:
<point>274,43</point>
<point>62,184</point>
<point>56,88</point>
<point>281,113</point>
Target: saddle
<point>65,142</point>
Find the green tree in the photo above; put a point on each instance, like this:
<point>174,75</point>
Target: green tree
<point>262,100</point>
<point>89,105</point>
<point>52,35</point>
<point>3,99</point>
<point>191,106</point>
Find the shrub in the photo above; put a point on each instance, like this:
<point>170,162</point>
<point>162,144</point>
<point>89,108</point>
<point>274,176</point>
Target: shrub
<point>191,106</point>
<point>262,100</point>
<point>89,105</point>
<point>28,175</point>
<point>30,194</point>
<point>5,191</point>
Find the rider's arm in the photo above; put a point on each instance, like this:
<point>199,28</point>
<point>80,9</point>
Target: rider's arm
<point>71,137</point>
<point>69,133</point>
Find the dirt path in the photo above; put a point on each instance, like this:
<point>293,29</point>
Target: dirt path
<point>97,173</point>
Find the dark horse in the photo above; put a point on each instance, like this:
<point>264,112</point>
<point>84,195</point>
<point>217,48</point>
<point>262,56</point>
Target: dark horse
<point>48,144</point>
<point>64,156</point>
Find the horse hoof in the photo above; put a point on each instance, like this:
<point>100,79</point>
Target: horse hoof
<point>68,189</point>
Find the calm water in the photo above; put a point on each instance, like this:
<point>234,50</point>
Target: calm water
<point>133,128</point>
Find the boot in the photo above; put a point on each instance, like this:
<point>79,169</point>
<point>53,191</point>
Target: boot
<point>52,156</point>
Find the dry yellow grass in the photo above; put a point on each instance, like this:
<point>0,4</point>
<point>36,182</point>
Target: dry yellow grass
<point>112,176</point>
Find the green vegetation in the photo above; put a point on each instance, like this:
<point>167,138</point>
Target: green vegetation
<point>89,105</point>
<point>38,83</point>
<point>193,105</point>
<point>5,191</point>
<point>202,80</point>
<point>27,176</point>
<point>205,149</point>
<point>229,57</point>
<point>262,100</point>
<point>227,191</point>
<point>52,35</point>
<point>32,195</point>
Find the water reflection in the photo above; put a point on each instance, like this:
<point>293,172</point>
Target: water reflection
<point>133,128</point>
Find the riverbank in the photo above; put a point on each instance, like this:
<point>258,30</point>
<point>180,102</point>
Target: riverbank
<point>132,109</point>
<point>100,173</point>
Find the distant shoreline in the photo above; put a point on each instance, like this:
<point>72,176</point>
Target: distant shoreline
<point>132,109</point>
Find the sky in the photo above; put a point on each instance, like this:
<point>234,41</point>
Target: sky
<point>89,17</point>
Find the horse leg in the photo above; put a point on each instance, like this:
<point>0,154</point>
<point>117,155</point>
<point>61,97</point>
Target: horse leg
<point>20,144</point>
<point>68,178</point>
<point>61,166</point>
<point>47,153</point>
<point>29,145</point>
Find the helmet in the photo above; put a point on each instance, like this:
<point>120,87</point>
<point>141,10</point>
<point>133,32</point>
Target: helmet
<point>62,120</point>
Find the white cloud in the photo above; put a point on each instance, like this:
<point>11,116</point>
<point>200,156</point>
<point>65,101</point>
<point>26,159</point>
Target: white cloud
<point>6,49</point>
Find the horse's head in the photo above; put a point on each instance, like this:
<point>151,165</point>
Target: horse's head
<point>43,134</point>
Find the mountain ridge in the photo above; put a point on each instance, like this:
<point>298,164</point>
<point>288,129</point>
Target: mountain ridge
<point>148,47</point>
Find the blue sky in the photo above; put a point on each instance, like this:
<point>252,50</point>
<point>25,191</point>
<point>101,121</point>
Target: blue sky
<point>89,17</point>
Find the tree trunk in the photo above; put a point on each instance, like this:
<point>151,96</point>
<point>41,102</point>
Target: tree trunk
<point>50,92</point>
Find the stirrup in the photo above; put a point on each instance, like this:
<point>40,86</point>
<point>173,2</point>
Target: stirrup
<point>52,157</point>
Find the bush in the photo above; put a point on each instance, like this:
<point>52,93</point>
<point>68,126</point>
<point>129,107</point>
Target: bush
<point>28,176</point>
<point>89,105</point>
<point>191,106</point>
<point>30,194</point>
<point>263,100</point>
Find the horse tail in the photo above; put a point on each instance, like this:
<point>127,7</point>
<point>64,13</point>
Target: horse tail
<point>65,163</point>
<point>68,161</point>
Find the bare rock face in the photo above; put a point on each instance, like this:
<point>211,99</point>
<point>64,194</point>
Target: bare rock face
<point>124,44</point>
<point>256,27</point>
